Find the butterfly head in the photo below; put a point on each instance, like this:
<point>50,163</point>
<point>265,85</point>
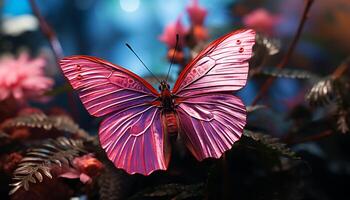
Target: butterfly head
<point>164,86</point>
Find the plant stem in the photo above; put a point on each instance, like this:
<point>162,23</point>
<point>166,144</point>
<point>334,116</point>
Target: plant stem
<point>314,138</point>
<point>289,53</point>
<point>56,48</point>
<point>341,69</point>
<point>48,32</point>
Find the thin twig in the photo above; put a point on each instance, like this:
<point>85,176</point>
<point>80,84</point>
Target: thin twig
<point>313,138</point>
<point>341,69</point>
<point>289,53</point>
<point>48,32</point>
<point>55,46</point>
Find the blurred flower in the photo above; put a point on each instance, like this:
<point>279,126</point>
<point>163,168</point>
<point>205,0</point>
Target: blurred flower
<point>262,21</point>
<point>197,13</point>
<point>29,111</point>
<point>20,134</point>
<point>17,25</point>
<point>169,34</point>
<point>198,31</point>
<point>22,78</point>
<point>11,161</point>
<point>178,57</point>
<point>85,168</point>
<point>197,35</point>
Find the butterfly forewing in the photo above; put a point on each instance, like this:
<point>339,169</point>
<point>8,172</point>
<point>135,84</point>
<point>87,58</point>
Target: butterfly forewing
<point>132,133</point>
<point>221,67</point>
<point>103,87</point>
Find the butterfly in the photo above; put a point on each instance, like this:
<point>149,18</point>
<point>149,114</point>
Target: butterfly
<point>138,119</point>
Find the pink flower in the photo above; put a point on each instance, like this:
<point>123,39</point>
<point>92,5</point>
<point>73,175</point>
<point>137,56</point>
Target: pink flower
<point>263,21</point>
<point>197,13</point>
<point>169,34</point>
<point>85,168</point>
<point>23,78</point>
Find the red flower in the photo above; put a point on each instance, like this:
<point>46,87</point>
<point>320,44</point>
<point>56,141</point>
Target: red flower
<point>263,21</point>
<point>197,13</point>
<point>169,34</point>
<point>11,161</point>
<point>179,56</point>
<point>85,168</point>
<point>200,33</point>
<point>29,111</point>
<point>20,134</point>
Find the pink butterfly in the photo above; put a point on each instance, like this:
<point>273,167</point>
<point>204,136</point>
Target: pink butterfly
<point>139,119</point>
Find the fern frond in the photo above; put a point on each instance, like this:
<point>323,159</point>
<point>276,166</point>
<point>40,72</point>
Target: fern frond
<point>39,161</point>
<point>42,121</point>
<point>272,46</point>
<point>270,143</point>
<point>322,92</point>
<point>283,73</point>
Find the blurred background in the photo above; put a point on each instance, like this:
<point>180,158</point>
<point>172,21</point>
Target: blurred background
<point>101,29</point>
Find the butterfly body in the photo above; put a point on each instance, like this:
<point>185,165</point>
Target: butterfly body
<point>166,97</point>
<point>138,119</point>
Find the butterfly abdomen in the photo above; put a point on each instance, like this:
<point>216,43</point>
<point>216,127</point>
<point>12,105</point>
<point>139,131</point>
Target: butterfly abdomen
<point>171,122</point>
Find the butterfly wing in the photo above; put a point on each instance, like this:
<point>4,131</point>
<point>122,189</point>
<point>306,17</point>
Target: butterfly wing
<point>134,139</point>
<point>221,67</point>
<point>210,118</point>
<point>131,134</point>
<point>104,87</point>
<point>210,124</point>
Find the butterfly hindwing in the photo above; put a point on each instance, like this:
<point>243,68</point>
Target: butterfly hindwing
<point>211,119</point>
<point>210,124</point>
<point>131,134</point>
<point>134,140</point>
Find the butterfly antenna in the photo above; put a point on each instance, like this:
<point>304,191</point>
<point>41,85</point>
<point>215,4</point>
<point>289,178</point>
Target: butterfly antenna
<point>141,61</point>
<point>172,59</point>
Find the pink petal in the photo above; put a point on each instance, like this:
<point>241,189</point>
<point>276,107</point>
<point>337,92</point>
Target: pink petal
<point>3,94</point>
<point>169,34</point>
<point>263,21</point>
<point>70,174</point>
<point>23,78</point>
<point>197,13</point>
<point>23,57</point>
<point>17,93</point>
<point>84,178</point>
